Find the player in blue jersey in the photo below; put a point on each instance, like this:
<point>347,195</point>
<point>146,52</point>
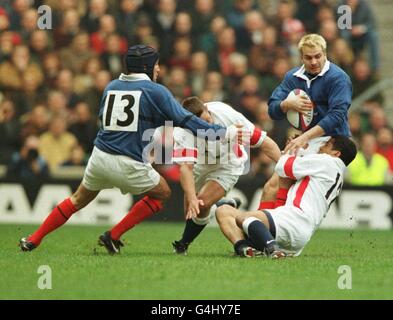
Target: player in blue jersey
<point>330,91</point>
<point>131,105</point>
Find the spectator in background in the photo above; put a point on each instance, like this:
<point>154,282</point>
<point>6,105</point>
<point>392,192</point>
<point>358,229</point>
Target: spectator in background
<point>93,95</point>
<point>112,56</point>
<point>363,78</point>
<point>226,46</point>
<point>199,69</point>
<point>202,16</point>
<point>307,11</point>
<point>107,26</point>
<point>236,15</point>
<point>27,163</point>
<point>341,54</point>
<point>51,65</point>
<point>65,85</point>
<point>11,72</point>
<point>28,24</point>
<point>249,98</point>
<point>385,145</point>
<point>35,122</point>
<point>239,68</point>
<point>177,83</point>
<point>181,55</point>
<point>377,119</point>
<point>128,18</point>
<point>262,56</point>
<point>57,104</point>
<point>4,20</point>
<point>163,20</point>
<point>75,56</point>
<point>208,41</point>
<point>39,45</point>
<point>251,33</point>
<point>15,16</point>
<point>84,126</point>
<point>183,25</point>
<point>9,130</point>
<point>77,157</point>
<point>67,30</point>
<point>215,85</point>
<point>363,32</point>
<point>56,144</point>
<point>369,167</point>
<point>97,8</point>
<point>8,40</point>
<point>85,80</point>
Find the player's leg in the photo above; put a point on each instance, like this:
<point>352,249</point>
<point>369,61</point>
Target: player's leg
<point>282,193</point>
<point>210,193</point>
<point>151,203</point>
<point>226,218</point>
<point>270,189</point>
<point>260,229</point>
<point>59,215</point>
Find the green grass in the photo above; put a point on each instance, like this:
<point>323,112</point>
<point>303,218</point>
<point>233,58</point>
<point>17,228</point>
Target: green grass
<point>147,268</point>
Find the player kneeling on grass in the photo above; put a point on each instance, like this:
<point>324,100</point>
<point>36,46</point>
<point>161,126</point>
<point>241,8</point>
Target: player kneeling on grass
<point>287,229</point>
<point>210,170</point>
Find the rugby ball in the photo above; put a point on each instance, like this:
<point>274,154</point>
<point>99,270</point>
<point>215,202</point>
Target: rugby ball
<point>296,119</point>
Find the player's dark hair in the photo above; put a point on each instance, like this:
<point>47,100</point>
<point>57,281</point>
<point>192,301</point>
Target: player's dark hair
<point>347,148</point>
<point>141,59</point>
<point>194,105</point>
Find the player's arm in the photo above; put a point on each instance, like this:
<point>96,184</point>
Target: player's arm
<point>188,184</point>
<point>271,149</point>
<point>294,145</point>
<point>339,101</point>
<point>279,102</point>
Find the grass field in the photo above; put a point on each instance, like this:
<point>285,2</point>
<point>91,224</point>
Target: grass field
<point>147,268</point>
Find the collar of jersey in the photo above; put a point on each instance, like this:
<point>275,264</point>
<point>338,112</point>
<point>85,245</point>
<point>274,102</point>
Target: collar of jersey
<point>134,77</point>
<point>301,72</point>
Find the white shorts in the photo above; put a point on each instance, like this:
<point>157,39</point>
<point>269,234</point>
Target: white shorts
<point>105,171</point>
<point>225,175</point>
<point>293,230</point>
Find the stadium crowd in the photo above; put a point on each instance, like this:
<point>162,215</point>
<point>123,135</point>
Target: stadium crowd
<point>238,51</point>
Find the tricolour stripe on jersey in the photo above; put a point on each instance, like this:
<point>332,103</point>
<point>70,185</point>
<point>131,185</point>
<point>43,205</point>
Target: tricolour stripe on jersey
<point>300,191</point>
<point>288,167</point>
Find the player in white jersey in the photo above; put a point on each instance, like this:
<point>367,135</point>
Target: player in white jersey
<point>287,229</point>
<point>209,170</point>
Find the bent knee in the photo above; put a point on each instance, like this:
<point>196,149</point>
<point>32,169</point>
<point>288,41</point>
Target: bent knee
<point>165,194</point>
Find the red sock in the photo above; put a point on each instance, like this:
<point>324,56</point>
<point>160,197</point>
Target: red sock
<point>59,215</point>
<point>281,197</point>
<point>266,205</point>
<point>140,211</point>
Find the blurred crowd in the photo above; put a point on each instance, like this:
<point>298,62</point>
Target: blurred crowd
<point>235,51</point>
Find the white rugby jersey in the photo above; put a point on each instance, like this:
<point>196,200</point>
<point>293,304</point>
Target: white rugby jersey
<point>188,148</point>
<point>320,178</point>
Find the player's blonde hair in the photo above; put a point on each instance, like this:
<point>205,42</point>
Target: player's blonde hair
<point>312,40</point>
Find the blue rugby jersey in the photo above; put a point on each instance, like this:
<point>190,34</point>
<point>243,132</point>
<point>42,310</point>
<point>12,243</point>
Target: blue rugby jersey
<point>133,104</point>
<point>330,91</point>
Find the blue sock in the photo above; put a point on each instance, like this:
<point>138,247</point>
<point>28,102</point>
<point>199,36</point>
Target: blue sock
<point>259,235</point>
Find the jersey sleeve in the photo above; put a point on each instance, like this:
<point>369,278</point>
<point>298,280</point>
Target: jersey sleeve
<point>257,135</point>
<point>296,167</point>
<point>184,149</point>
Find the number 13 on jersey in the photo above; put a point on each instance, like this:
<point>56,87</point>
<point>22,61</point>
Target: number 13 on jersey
<point>121,110</point>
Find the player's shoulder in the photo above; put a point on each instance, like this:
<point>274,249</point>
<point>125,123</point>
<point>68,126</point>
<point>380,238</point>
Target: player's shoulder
<point>291,73</point>
<point>218,105</point>
<point>336,72</point>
